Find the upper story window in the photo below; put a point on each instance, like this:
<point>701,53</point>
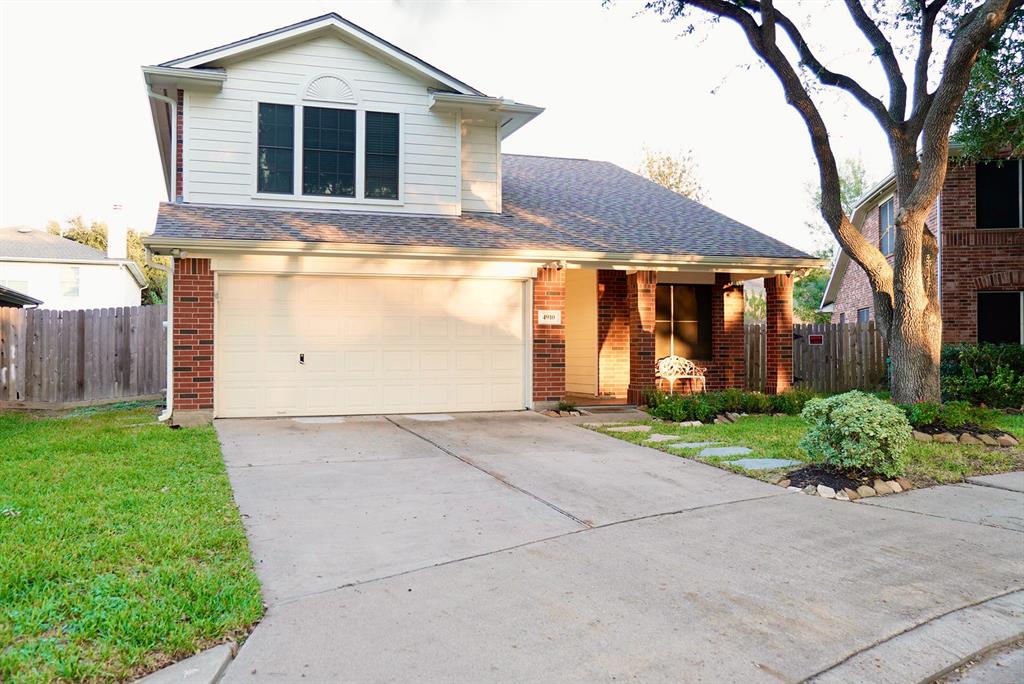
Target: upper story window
<point>276,154</point>
<point>327,150</point>
<point>998,194</point>
<point>382,155</point>
<point>887,226</point>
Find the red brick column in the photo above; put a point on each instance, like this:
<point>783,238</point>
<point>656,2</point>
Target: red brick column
<point>779,335</point>
<point>727,367</point>
<point>612,333</point>
<point>549,340</point>
<point>640,300</point>
<point>193,340</point>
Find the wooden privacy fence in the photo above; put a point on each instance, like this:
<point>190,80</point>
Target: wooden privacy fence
<point>55,358</point>
<point>827,357</point>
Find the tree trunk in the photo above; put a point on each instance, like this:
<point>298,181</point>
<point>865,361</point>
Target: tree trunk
<point>914,348</point>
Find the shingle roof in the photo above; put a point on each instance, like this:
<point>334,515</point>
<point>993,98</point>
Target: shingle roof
<point>37,244</point>
<point>548,204</point>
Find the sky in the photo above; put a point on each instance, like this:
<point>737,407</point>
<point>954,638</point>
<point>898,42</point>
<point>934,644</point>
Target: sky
<point>76,136</point>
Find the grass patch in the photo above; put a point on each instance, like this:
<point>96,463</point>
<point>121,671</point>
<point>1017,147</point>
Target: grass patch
<point>121,548</point>
<point>778,437</point>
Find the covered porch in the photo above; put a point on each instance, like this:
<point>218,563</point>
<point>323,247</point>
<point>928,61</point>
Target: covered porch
<point>614,324</point>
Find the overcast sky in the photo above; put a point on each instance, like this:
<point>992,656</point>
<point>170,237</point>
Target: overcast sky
<point>76,136</point>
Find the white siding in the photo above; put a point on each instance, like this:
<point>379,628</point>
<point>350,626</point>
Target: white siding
<point>99,285</point>
<point>481,170</point>
<point>220,128</point>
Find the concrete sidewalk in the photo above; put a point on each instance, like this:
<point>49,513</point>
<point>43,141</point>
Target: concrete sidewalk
<point>512,547</point>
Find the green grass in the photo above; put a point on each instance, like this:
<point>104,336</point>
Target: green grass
<point>121,548</point>
<point>778,437</point>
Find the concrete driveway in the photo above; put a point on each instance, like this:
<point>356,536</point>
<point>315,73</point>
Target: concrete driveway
<point>513,547</point>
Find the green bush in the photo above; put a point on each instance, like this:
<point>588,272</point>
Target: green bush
<point>951,415</point>
<point>856,432</point>
<point>990,374</point>
<point>704,407</point>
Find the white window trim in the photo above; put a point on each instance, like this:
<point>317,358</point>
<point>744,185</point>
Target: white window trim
<point>297,197</point>
<point>890,198</point>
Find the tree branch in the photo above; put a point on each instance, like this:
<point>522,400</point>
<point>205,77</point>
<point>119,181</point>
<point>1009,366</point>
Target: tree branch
<point>849,236</point>
<point>922,100</point>
<point>883,48</point>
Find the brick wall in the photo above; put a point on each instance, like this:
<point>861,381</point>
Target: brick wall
<point>640,287</point>
<point>193,335</point>
<point>726,367</point>
<point>549,340</point>
<point>973,260</point>
<point>779,333</point>
<point>179,153</point>
<point>612,333</point>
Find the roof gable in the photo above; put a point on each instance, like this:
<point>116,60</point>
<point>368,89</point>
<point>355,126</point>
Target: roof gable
<point>330,24</point>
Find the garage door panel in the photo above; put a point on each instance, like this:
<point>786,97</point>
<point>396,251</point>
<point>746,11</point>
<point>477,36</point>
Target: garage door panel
<point>371,345</point>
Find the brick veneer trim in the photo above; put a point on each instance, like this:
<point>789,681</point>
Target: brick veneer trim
<point>612,333</point>
<point>192,336</point>
<point>778,333</point>
<point>640,297</point>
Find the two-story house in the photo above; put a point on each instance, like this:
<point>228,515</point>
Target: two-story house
<point>349,238</point>
<point>978,221</point>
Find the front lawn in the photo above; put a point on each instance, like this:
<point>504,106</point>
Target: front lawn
<point>121,548</point>
<point>778,437</point>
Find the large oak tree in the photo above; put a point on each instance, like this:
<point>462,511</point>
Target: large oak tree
<point>915,119</point>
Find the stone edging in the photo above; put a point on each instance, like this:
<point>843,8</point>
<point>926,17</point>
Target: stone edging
<point>205,667</point>
<point>979,439</point>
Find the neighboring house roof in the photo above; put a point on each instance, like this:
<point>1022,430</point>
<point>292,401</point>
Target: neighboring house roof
<point>22,244</point>
<point>550,205</point>
<point>329,20</point>
<point>9,297</point>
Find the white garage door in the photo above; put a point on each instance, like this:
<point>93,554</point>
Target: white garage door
<point>323,345</point>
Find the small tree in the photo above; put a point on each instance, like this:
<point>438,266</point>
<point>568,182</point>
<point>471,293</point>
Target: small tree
<point>678,173</point>
<point>915,121</point>
<point>95,235</point>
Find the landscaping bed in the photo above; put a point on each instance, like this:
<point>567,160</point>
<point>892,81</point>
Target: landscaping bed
<point>778,437</point>
<point>122,547</point>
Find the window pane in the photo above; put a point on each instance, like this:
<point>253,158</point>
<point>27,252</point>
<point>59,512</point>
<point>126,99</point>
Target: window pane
<point>662,339</point>
<point>328,152</point>
<point>69,281</point>
<point>999,317</point>
<point>998,194</point>
<point>886,228</point>
<point>684,298</point>
<point>381,155</point>
<point>275,149</point>
<point>863,315</point>
<point>663,302</point>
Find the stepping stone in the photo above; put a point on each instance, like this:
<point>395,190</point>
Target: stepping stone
<point>630,428</point>
<point>662,438</point>
<point>724,451</point>
<point>690,445</point>
<point>763,463</point>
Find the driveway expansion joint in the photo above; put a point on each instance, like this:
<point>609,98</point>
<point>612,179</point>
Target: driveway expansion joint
<point>468,461</point>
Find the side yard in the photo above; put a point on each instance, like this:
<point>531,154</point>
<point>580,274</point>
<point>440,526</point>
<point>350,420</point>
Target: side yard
<point>122,547</point>
<point>770,436</point>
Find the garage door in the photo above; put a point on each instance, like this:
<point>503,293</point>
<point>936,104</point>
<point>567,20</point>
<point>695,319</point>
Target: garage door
<point>320,345</point>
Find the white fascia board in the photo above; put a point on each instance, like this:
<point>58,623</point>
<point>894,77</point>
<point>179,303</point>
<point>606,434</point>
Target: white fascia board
<point>355,33</point>
<point>207,80</point>
<point>509,114</point>
<point>757,265</point>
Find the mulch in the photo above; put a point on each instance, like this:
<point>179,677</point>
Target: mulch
<point>956,432</point>
<point>816,475</point>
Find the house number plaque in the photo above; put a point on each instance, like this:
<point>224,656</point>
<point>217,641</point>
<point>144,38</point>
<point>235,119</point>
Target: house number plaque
<point>549,317</point>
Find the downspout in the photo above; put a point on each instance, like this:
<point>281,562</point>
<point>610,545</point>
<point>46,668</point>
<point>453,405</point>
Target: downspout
<point>169,323</point>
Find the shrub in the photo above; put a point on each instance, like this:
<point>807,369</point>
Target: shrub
<point>951,415</point>
<point>857,432</point>
<point>704,407</point>
<point>564,405</point>
<point>991,374</point>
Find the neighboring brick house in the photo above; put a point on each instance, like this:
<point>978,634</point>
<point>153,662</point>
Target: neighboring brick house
<point>979,222</point>
<point>349,238</point>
